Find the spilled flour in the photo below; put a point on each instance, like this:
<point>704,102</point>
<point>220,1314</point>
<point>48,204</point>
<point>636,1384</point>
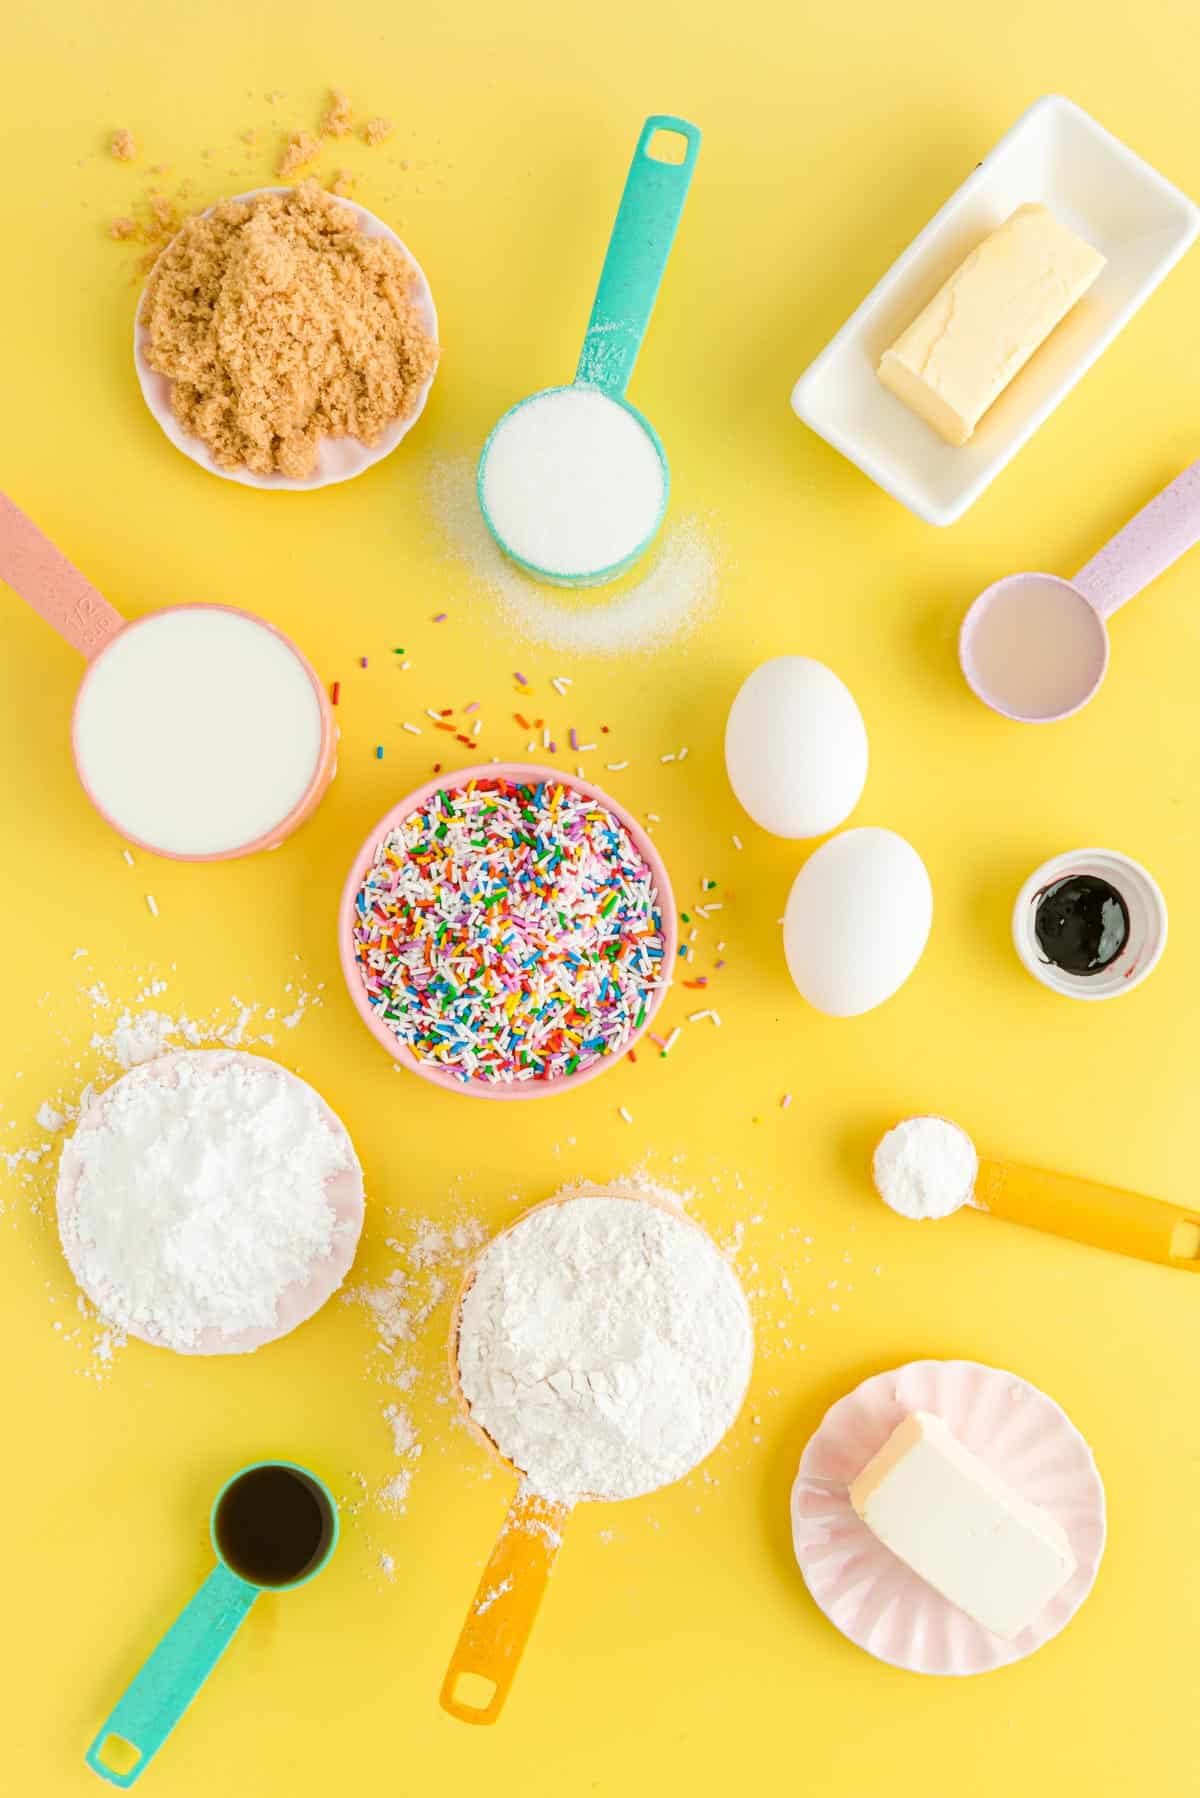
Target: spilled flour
<point>667,601</point>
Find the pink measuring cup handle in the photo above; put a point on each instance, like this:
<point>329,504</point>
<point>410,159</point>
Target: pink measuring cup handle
<point>41,574</point>
<point>1153,539</point>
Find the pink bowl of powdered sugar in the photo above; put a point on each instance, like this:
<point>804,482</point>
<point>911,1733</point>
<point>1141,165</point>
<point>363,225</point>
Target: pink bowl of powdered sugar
<point>209,1202</point>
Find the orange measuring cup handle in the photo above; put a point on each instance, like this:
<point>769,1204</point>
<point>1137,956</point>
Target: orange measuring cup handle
<point>54,587</point>
<point>485,1660</point>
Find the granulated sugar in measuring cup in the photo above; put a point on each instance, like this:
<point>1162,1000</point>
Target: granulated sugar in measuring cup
<point>1035,648</point>
<point>200,732</point>
<point>274,1527</point>
<point>601,1346</point>
<point>573,482</point>
<point>209,1202</point>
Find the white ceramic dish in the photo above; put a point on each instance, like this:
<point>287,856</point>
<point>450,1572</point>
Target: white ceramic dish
<point>1056,154</point>
<point>873,1598</point>
<point>1147,924</point>
<point>339,458</point>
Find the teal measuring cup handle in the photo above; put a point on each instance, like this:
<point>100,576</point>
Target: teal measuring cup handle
<point>174,1673</point>
<point>638,249</point>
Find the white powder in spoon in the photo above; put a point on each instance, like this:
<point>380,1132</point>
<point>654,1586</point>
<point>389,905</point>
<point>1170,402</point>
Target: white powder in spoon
<point>572,483</point>
<point>604,1346</point>
<point>925,1167</point>
<point>192,1202</point>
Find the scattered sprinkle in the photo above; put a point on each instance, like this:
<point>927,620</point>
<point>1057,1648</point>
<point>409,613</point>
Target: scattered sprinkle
<point>697,1017</point>
<point>625,1113</point>
<point>379,752</point>
<point>414,730</point>
<point>785,1101</point>
<point>615,767</point>
<point>736,841</point>
<point>670,1042</point>
<point>520,679</point>
<point>441,617</point>
<point>335,692</point>
<point>152,903</point>
<point>128,856</point>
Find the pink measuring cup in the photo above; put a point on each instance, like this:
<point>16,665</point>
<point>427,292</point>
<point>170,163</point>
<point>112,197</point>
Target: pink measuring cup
<point>1035,648</point>
<point>39,572</point>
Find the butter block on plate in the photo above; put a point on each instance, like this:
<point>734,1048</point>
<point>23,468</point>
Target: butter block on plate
<point>986,321</point>
<point>944,1513</point>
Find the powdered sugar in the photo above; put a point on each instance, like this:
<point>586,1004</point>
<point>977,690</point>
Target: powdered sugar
<point>193,1195</point>
<point>605,1346</point>
<point>675,591</point>
<point>925,1167</point>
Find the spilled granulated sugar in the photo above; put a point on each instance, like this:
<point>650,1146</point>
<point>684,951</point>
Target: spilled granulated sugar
<point>103,1025</point>
<point>675,590</point>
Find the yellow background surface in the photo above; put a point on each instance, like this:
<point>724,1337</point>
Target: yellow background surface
<point>683,1654</point>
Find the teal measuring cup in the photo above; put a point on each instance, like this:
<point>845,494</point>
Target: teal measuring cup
<point>646,223</point>
<point>274,1526</point>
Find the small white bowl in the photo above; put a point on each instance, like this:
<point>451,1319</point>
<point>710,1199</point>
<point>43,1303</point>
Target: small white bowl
<point>1056,154</point>
<point>338,458</point>
<point>1147,924</point>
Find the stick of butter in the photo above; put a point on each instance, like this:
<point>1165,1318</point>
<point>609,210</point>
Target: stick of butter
<point>986,321</point>
<point>946,1515</point>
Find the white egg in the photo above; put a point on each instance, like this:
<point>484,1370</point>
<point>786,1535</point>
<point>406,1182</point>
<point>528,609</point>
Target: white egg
<point>857,921</point>
<point>796,747</point>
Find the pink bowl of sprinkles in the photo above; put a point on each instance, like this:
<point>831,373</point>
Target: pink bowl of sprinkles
<point>508,931</point>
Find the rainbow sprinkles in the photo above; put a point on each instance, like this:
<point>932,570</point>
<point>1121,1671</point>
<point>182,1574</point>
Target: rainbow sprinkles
<point>511,932</point>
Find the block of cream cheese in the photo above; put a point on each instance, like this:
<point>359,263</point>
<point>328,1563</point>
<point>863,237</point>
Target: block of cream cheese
<point>944,1513</point>
<point>986,321</point>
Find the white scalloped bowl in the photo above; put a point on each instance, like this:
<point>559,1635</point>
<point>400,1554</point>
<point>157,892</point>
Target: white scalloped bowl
<point>873,1598</point>
<point>338,458</point>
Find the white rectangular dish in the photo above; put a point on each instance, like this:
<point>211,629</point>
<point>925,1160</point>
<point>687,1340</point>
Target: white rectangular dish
<point>1056,154</point>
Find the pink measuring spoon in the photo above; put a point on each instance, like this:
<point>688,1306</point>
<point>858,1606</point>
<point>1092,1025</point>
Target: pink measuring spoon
<point>1035,648</point>
<point>200,732</point>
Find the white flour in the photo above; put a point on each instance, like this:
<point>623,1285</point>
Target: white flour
<point>191,1203</point>
<point>925,1167</point>
<point>666,601</point>
<point>605,1347</point>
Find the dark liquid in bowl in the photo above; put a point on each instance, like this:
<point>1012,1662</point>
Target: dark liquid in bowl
<point>273,1525</point>
<point>1081,924</point>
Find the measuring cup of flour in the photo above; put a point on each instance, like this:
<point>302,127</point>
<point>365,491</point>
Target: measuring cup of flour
<point>927,1167</point>
<point>274,1527</point>
<point>339,458</point>
<point>200,732</point>
<point>1035,648</point>
<point>209,1202</point>
<point>573,481</point>
<point>601,1347</point>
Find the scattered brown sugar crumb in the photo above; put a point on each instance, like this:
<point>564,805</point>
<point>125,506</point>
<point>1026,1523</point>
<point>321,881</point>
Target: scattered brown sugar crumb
<point>163,214</point>
<point>338,117</point>
<point>123,145</point>
<point>123,229</point>
<point>301,147</point>
<point>377,130</point>
<point>279,323</point>
<point>343,183</point>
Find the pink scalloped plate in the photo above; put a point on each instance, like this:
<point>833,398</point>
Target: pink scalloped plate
<point>343,1191</point>
<point>873,1598</point>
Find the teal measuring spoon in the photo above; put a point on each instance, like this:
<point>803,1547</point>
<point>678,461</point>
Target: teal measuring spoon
<point>646,223</point>
<point>164,1688</point>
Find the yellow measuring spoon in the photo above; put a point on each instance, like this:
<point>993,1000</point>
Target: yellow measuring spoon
<point>928,1167</point>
